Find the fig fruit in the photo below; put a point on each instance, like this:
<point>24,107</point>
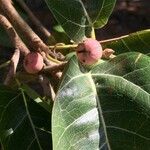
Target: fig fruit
<point>89,52</point>
<point>33,62</point>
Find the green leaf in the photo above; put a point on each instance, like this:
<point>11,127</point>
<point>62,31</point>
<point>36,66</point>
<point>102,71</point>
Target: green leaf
<point>33,95</point>
<point>77,17</point>
<point>106,108</point>
<point>60,35</point>
<point>138,41</point>
<point>75,117</point>
<point>23,123</point>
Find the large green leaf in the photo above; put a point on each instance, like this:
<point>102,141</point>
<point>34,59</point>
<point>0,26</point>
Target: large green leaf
<point>138,41</point>
<point>77,17</point>
<point>75,117</point>
<point>23,123</point>
<point>106,108</point>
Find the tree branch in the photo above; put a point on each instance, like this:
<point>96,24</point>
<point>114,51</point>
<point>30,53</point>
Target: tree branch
<point>33,39</point>
<point>17,43</point>
<point>113,39</point>
<point>47,87</point>
<point>15,39</point>
<point>13,67</point>
<point>34,20</point>
<point>54,67</point>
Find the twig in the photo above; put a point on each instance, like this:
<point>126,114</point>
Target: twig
<point>58,75</point>
<point>13,67</point>
<point>46,60</point>
<point>108,53</point>
<point>61,47</point>
<point>17,43</point>
<point>113,39</point>
<point>47,87</point>
<point>34,19</point>
<point>54,67</point>
<point>15,39</point>
<point>33,39</point>
<point>93,33</point>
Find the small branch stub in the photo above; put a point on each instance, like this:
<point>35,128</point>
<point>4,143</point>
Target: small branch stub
<point>108,53</point>
<point>13,67</point>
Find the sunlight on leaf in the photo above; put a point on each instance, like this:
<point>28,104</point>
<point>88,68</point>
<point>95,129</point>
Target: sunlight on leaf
<point>77,17</point>
<point>138,41</point>
<point>107,108</point>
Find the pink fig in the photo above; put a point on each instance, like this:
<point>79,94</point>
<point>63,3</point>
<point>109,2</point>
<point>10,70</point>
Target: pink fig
<point>89,52</point>
<point>33,62</point>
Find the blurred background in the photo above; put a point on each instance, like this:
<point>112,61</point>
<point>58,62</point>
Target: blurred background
<point>128,16</point>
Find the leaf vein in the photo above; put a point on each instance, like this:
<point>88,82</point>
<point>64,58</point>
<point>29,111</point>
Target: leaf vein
<point>128,131</point>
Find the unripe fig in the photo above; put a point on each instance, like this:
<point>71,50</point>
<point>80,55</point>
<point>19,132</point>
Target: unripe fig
<point>89,52</point>
<point>33,62</point>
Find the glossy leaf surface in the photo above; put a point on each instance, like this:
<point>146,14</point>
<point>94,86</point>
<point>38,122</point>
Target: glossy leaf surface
<point>23,124</point>
<point>77,17</point>
<point>106,108</point>
<point>138,41</point>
